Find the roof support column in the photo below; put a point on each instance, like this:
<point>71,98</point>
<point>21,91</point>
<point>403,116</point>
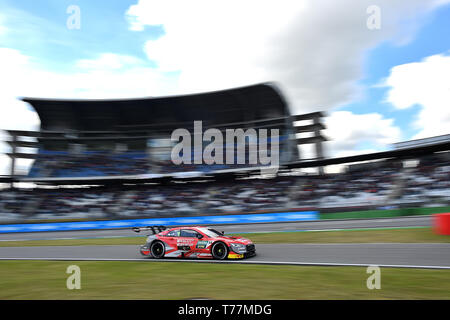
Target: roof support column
<point>318,144</point>
<point>13,160</point>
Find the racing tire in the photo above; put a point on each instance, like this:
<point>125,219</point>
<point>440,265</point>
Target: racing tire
<point>219,251</point>
<point>157,250</point>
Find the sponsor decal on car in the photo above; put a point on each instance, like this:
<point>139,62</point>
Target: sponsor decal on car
<point>183,242</point>
<point>203,244</point>
<point>233,255</point>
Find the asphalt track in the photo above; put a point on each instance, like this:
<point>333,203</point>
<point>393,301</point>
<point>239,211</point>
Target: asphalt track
<point>414,221</point>
<point>417,255</point>
<point>412,255</point>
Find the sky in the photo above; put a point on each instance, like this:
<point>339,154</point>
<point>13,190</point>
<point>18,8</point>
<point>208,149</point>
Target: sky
<point>379,69</point>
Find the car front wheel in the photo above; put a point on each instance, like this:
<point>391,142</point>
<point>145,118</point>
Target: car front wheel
<point>219,251</point>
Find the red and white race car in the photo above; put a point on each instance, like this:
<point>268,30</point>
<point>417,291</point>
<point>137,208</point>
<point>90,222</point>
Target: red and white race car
<point>194,242</point>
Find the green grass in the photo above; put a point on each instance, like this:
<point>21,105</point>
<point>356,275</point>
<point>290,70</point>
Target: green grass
<point>402,212</point>
<point>400,235</point>
<point>156,280</point>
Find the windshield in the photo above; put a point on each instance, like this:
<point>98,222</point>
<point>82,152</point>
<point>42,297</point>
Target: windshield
<point>211,232</point>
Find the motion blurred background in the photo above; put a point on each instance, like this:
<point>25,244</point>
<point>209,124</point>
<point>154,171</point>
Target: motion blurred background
<point>359,91</point>
<point>111,159</point>
<point>366,75</point>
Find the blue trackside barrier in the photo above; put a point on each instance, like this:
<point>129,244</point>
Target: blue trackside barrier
<point>201,220</point>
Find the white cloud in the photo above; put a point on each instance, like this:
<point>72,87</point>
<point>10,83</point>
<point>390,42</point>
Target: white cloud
<point>109,61</point>
<point>351,131</point>
<point>14,113</point>
<point>313,49</point>
<point>107,76</point>
<point>425,83</point>
<point>354,134</point>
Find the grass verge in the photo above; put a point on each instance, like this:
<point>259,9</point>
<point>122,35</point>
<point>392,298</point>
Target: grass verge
<point>155,280</point>
<point>400,235</point>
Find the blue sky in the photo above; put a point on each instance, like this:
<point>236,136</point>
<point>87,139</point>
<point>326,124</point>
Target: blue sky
<point>431,38</point>
<point>319,53</point>
<point>39,30</point>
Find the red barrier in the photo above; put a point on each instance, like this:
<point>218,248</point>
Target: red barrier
<point>441,223</point>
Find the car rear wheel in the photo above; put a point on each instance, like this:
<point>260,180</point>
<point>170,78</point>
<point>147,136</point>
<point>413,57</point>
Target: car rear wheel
<point>157,249</point>
<point>219,251</point>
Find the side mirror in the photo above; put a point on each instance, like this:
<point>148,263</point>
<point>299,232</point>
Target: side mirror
<point>199,236</point>
<point>223,232</point>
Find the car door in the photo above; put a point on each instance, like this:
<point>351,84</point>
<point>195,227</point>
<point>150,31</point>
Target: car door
<point>171,241</point>
<point>187,240</point>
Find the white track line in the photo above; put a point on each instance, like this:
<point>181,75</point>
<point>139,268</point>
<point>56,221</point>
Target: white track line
<point>239,262</point>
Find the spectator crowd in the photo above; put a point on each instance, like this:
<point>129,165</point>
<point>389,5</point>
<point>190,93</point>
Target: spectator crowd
<point>421,182</point>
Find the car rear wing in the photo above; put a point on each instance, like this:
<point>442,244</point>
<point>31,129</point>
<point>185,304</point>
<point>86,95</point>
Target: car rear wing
<point>153,229</point>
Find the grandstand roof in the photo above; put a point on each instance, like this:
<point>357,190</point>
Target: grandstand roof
<point>422,142</point>
<point>250,103</point>
<point>406,153</point>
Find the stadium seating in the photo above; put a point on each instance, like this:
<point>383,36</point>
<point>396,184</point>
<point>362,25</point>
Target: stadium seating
<point>390,183</point>
<point>58,164</point>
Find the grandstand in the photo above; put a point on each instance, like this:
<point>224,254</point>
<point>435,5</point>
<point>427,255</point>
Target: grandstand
<point>123,138</point>
<point>97,159</point>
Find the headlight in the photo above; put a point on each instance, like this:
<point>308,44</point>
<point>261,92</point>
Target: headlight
<point>238,248</point>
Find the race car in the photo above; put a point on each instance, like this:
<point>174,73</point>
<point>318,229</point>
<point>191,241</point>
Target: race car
<point>194,242</point>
